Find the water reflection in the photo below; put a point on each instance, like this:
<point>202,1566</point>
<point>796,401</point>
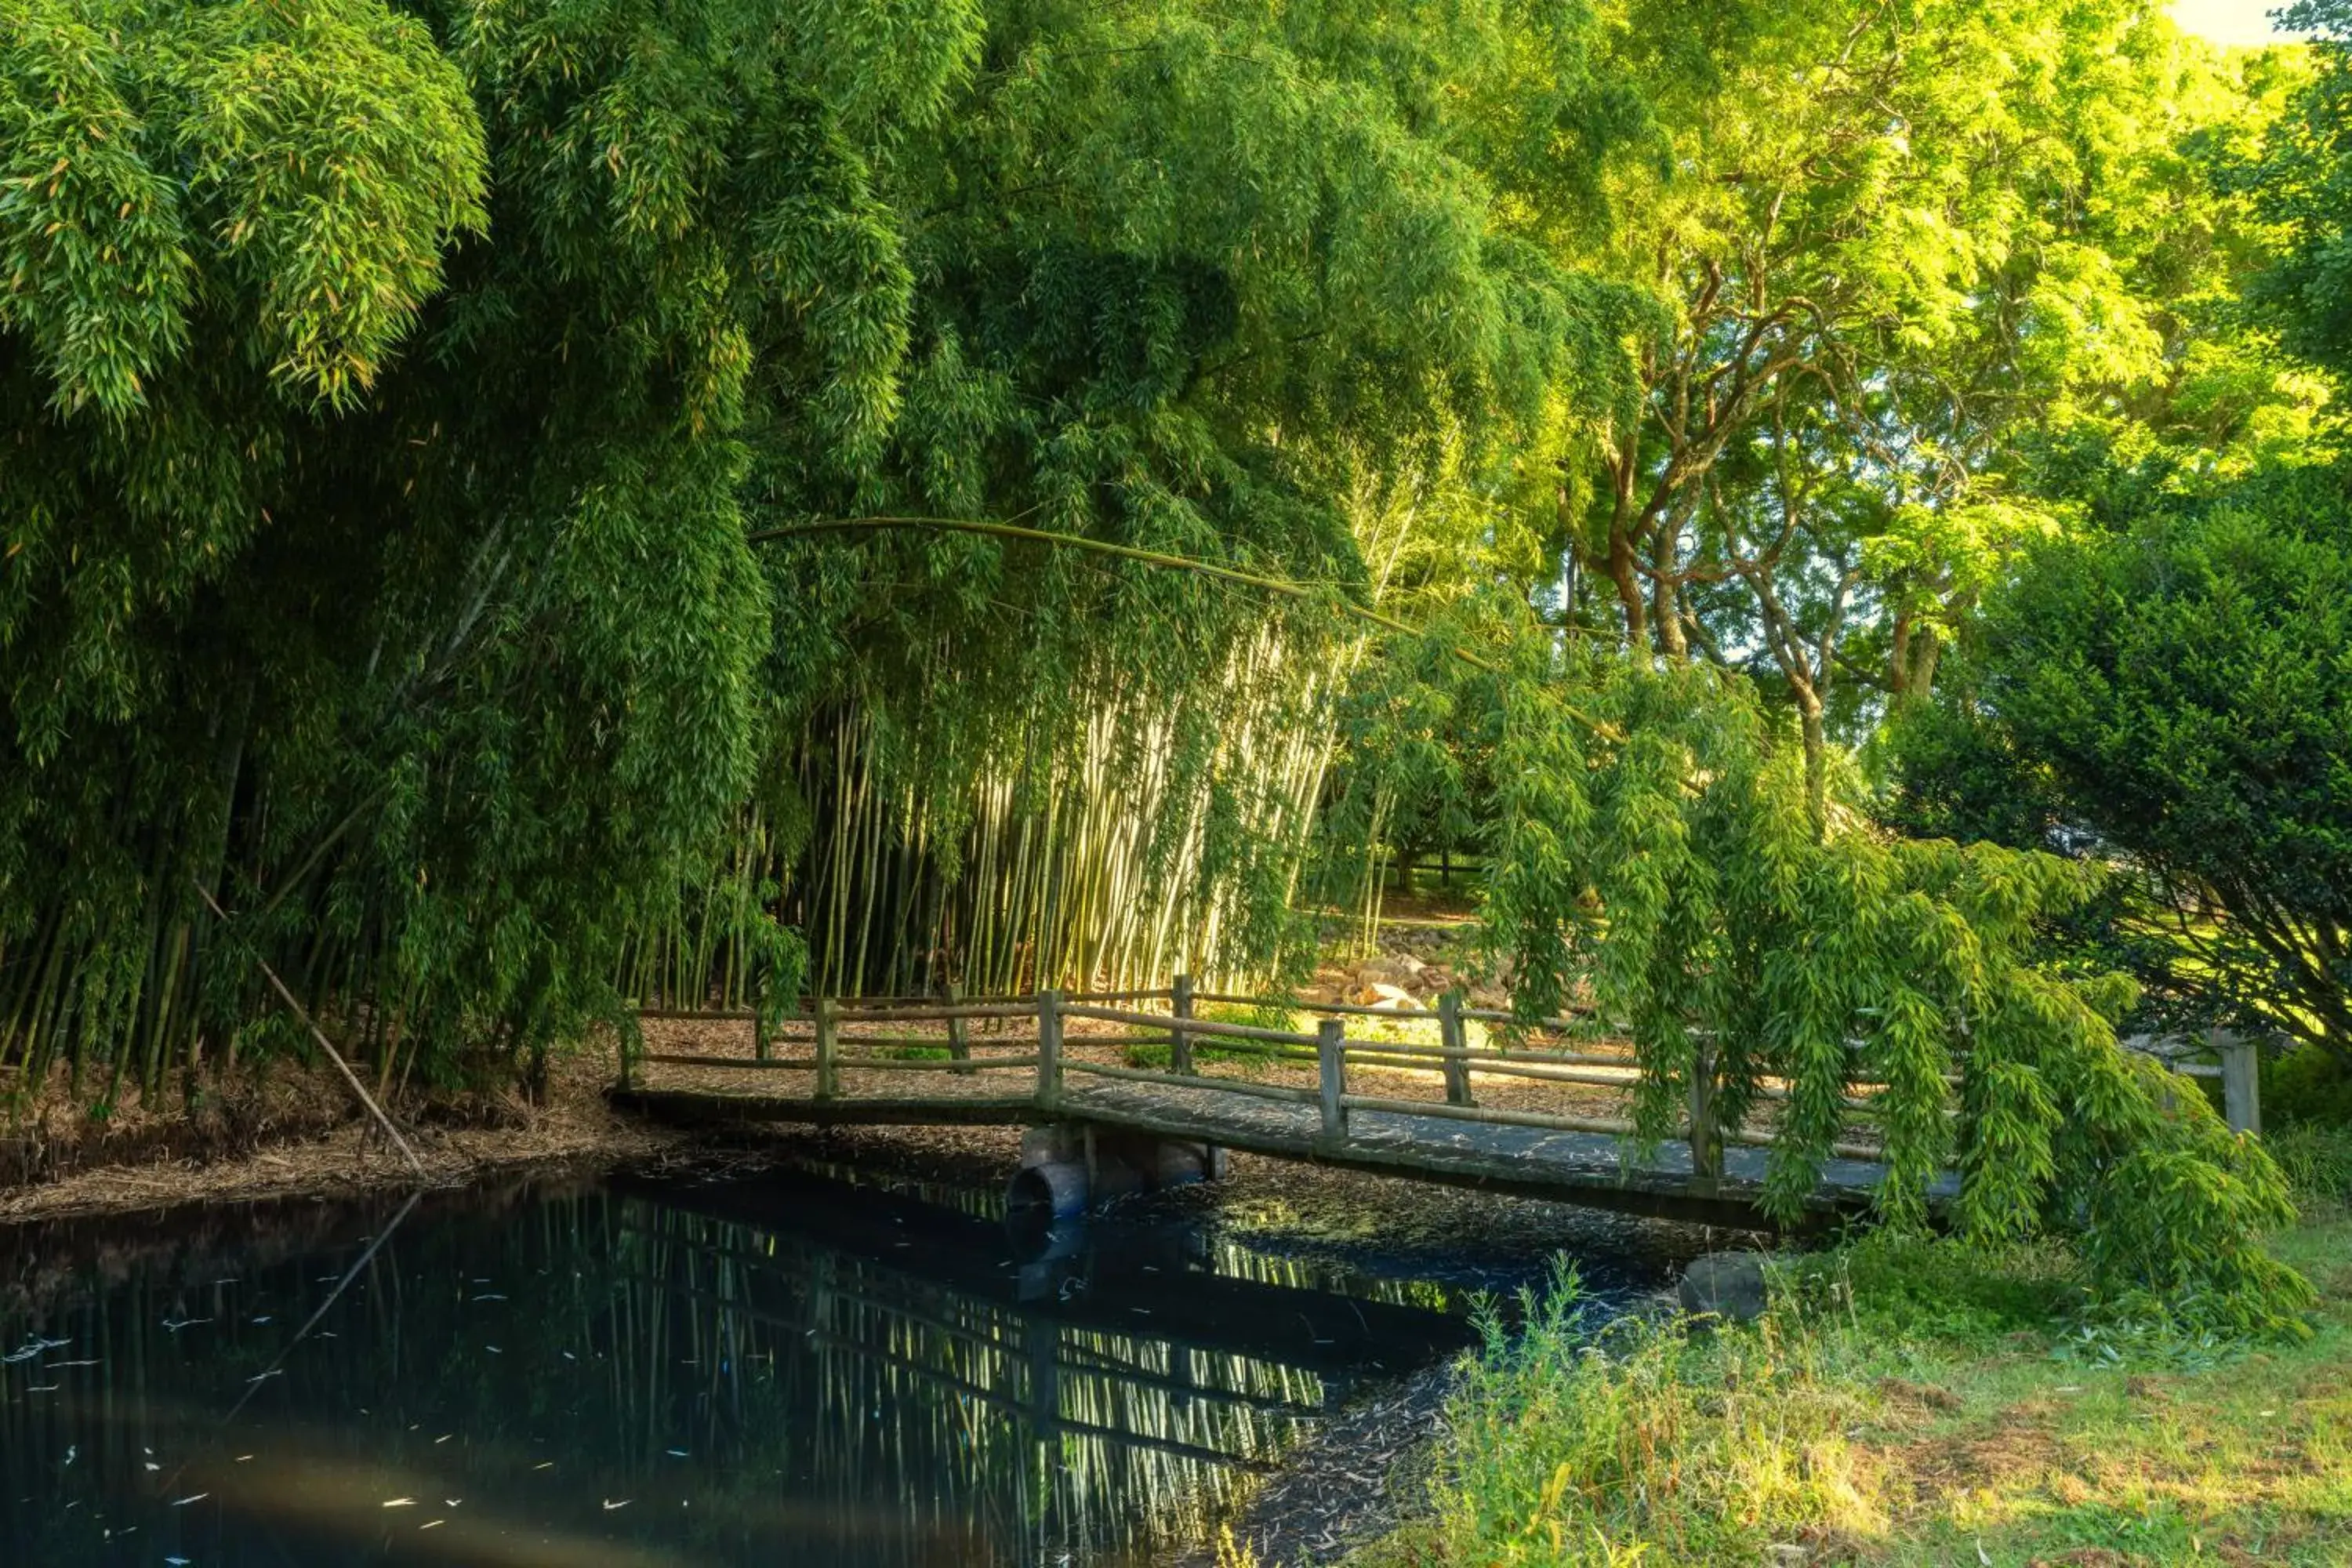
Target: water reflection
<point>781,1370</point>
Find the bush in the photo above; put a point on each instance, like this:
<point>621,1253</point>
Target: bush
<point>2179,690</point>
<point>2304,1088</point>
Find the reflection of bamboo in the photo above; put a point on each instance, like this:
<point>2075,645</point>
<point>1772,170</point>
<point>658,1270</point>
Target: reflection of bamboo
<point>1142,1433</point>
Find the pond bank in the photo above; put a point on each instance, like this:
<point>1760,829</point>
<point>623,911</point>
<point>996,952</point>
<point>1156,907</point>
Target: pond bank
<point>301,1135</point>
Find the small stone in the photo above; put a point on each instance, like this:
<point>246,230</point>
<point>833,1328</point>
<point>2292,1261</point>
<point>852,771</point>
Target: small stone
<point>1728,1285</point>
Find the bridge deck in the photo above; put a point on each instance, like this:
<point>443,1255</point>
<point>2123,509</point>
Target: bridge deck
<point>1541,1110</point>
<point>1593,1169</point>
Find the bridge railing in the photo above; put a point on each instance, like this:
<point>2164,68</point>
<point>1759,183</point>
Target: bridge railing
<point>842,1038</point>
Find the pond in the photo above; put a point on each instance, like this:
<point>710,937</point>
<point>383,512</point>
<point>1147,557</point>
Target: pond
<point>622,1371</point>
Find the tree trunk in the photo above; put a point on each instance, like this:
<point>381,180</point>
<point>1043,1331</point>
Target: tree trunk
<point>1817,757</point>
<point>1911,667</point>
<point>1665,599</point>
<point>1928,650</point>
<point>1628,578</point>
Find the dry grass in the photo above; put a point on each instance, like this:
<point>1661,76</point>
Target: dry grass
<point>300,1134</point>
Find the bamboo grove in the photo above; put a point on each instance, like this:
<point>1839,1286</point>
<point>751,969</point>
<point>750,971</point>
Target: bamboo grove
<point>496,494</point>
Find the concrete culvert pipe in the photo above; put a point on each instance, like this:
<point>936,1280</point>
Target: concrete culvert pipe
<point>1058,1188</point>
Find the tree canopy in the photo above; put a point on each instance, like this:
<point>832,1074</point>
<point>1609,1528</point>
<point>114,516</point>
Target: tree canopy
<point>532,505</point>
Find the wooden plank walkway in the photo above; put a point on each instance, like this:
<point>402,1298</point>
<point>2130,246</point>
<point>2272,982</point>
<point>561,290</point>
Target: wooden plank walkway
<point>1513,1114</point>
<point>1588,1168</point>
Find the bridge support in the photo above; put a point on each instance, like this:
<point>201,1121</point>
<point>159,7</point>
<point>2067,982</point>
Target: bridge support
<point>1067,1170</point>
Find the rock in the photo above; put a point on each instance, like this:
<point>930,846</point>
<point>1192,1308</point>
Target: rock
<point>1435,980</point>
<point>1728,1285</point>
<point>1387,971</point>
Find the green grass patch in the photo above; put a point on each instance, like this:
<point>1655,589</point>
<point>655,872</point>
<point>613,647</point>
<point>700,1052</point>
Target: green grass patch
<point>1906,1401</point>
<point>2317,1158</point>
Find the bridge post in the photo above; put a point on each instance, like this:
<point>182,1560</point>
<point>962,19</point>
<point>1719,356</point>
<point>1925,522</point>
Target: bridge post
<point>1049,1049</point>
<point>1331,1058</point>
<point>1705,1140</point>
<point>1454,1036</point>
<point>1180,1040</point>
<point>2242,1081</point>
<point>959,1041</point>
<point>828,1066</point>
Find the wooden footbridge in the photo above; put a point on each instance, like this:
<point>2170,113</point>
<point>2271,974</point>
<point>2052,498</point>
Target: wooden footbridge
<point>1532,1109</point>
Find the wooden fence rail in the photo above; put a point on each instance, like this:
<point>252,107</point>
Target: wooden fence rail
<point>1328,1048</point>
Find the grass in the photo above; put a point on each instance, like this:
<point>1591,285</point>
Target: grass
<point>1913,1403</point>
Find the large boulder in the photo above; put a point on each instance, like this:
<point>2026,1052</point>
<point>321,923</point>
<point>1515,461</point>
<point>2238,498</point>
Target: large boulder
<point>1726,1285</point>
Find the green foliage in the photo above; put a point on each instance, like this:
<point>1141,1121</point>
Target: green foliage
<point>2180,690</point>
<point>1832,1424</point>
<point>1655,845</point>
<point>1648,1443</point>
<point>377,556</point>
<point>462,454</point>
<point>2305,1087</point>
<point>1896,1285</point>
<point>1907,257</point>
<point>413,408</point>
<point>2303,180</point>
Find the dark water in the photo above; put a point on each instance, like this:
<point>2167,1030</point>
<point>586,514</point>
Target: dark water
<point>622,1373</point>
